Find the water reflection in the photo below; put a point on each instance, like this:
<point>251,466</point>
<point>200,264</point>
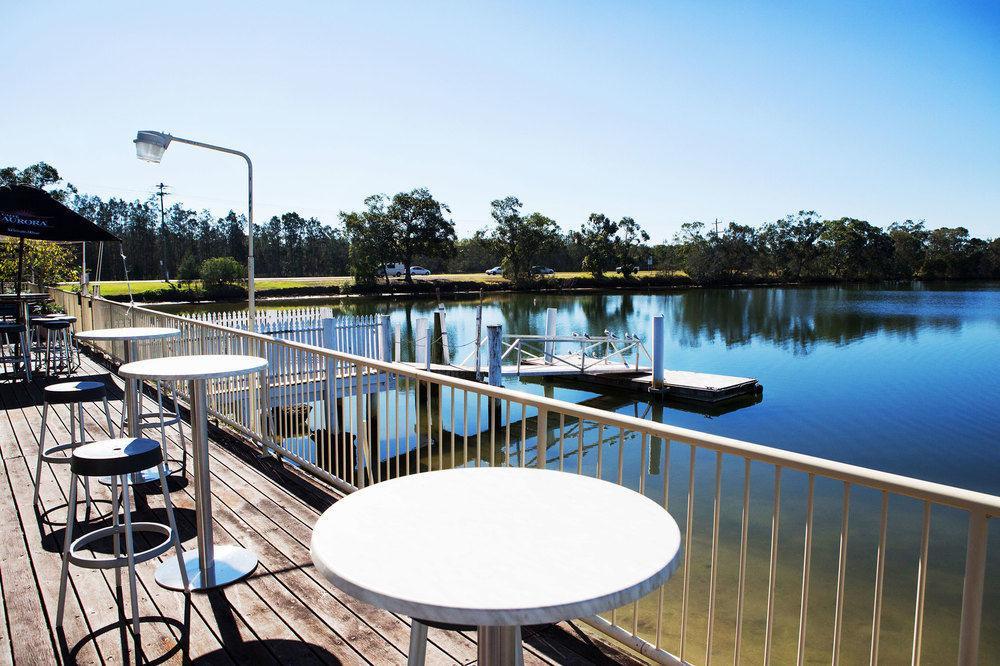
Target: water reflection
<point>797,319</point>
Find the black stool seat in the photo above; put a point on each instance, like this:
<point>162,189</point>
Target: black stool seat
<point>53,324</point>
<point>6,326</point>
<point>69,392</point>
<point>114,457</point>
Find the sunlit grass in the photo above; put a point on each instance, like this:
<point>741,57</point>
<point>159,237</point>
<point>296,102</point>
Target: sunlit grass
<point>119,287</point>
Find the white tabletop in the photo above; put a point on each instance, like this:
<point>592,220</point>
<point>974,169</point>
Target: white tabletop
<point>131,333</point>
<point>181,368</point>
<point>496,546</point>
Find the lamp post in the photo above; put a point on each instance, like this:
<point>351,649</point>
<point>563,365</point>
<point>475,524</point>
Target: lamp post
<point>150,146</point>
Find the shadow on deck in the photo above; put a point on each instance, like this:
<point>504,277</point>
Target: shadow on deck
<point>285,612</point>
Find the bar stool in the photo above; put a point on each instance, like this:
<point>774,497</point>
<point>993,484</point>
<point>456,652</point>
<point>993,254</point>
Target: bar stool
<point>161,419</point>
<point>119,458</point>
<point>74,395</point>
<point>58,343</point>
<point>8,330</point>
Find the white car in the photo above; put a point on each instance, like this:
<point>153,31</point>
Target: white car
<point>496,270</point>
<point>419,270</point>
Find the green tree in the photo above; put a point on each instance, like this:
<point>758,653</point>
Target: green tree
<point>419,227</point>
<point>631,240</point>
<point>519,241</point>
<point>855,249</point>
<point>220,274</point>
<point>787,248</point>
<point>947,250</point>
<point>909,241</point>
<point>473,254</point>
<point>371,238</point>
<point>597,236</point>
<point>44,262</point>
<point>189,270</point>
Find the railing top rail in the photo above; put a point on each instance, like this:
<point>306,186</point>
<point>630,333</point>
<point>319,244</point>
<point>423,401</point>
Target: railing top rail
<point>895,483</point>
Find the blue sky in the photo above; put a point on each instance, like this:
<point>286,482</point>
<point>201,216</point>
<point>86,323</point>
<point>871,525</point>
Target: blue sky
<point>668,112</point>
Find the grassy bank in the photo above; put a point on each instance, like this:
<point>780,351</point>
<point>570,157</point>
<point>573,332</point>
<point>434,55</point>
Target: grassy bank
<point>152,291</point>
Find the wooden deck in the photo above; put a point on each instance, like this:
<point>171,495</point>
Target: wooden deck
<point>286,612</point>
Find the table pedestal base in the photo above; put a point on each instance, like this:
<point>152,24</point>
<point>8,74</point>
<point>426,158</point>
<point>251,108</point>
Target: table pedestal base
<point>230,564</point>
<point>500,646</point>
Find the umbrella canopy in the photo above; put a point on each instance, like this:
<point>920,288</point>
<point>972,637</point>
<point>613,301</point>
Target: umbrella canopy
<point>28,212</point>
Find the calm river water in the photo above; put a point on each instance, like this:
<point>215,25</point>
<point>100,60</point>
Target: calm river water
<point>902,379</point>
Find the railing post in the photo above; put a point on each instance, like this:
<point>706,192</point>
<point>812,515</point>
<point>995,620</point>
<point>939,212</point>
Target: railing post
<point>494,335</point>
<point>657,351</point>
<point>542,437</point>
<point>972,591</point>
<point>550,332</point>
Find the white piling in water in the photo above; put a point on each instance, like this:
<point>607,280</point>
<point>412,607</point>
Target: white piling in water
<point>550,332</point>
<point>494,335</point>
<point>398,343</point>
<point>385,338</point>
<point>422,343</point>
<point>657,343</point>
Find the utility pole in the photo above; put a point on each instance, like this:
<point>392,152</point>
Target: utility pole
<point>161,191</point>
<point>716,226</point>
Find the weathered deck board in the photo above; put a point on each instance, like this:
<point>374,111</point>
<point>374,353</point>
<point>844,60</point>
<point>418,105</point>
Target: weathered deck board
<point>286,612</point>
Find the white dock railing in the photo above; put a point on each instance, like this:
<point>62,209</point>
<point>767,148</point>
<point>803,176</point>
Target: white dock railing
<point>769,573</point>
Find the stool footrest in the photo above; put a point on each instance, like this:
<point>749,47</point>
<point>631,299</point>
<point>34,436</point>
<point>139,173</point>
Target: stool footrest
<point>168,420</point>
<point>121,560</point>
<point>49,457</point>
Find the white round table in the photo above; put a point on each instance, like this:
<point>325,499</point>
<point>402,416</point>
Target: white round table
<point>130,337</point>
<point>207,566</point>
<point>496,548</point>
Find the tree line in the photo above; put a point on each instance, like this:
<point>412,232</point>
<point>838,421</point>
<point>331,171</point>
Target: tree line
<point>414,228</point>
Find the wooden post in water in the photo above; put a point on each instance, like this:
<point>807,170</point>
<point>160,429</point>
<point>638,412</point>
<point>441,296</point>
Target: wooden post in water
<point>550,332</point>
<point>398,343</point>
<point>441,353</point>
<point>494,334</point>
<point>479,337</point>
<point>657,352</point>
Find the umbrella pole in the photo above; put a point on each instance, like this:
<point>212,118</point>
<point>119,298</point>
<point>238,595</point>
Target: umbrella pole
<point>20,264</point>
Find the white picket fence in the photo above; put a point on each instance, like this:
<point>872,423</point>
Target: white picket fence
<point>312,326</point>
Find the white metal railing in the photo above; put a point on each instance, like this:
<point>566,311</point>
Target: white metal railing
<point>769,573</point>
<point>582,352</point>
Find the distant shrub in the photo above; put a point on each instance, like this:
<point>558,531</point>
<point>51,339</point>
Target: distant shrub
<point>189,270</point>
<point>221,274</point>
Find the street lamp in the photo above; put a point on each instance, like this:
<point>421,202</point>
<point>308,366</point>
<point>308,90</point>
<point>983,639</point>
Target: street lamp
<point>150,146</point>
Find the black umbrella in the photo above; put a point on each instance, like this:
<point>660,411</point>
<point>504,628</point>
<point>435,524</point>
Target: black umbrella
<point>30,212</point>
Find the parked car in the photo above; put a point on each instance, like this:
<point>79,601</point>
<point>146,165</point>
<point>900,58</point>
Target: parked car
<point>541,270</point>
<point>394,270</point>
<point>496,270</point>
<point>419,270</point>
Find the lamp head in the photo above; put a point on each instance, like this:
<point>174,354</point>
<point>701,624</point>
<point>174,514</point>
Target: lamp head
<point>149,145</point>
